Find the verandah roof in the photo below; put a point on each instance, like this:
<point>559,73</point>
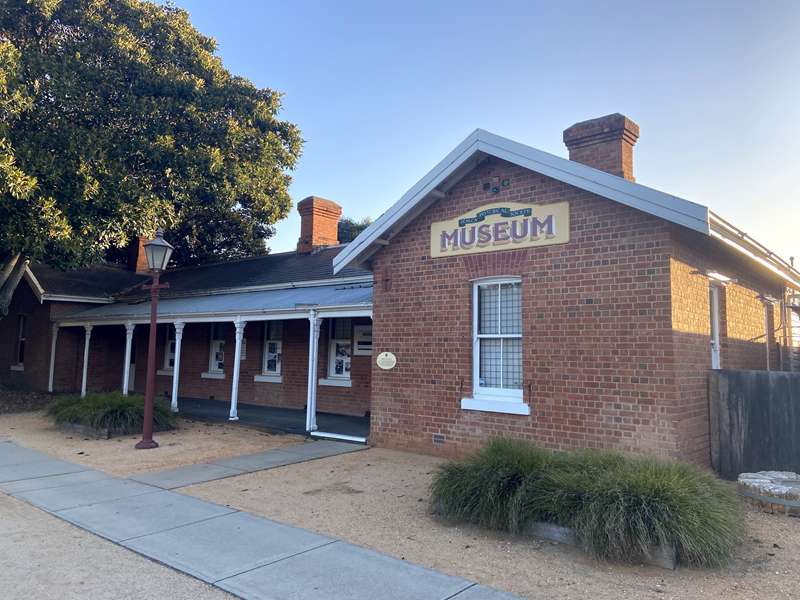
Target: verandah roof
<point>258,305</point>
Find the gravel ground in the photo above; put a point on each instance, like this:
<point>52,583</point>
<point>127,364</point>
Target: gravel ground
<point>45,558</point>
<point>193,442</point>
<point>12,401</point>
<point>378,498</point>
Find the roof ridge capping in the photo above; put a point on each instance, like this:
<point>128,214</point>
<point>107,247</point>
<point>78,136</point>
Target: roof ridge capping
<point>481,143</point>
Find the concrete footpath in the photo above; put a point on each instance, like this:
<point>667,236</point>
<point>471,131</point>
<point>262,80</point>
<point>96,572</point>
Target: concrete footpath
<point>241,553</point>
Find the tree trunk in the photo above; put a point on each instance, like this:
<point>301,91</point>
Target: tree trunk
<point>11,283</point>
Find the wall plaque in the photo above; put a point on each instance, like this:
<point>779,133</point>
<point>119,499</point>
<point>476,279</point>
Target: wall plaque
<point>386,360</point>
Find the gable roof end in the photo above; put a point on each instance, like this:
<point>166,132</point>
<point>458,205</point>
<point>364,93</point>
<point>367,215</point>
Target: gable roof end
<point>481,144</point>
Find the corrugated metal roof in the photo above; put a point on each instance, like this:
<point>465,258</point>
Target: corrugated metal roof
<point>242,303</point>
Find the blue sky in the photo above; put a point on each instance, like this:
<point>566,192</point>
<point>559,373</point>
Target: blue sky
<point>383,90</point>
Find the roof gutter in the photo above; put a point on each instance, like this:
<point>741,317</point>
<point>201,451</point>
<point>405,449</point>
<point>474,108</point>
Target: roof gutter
<point>746,245</point>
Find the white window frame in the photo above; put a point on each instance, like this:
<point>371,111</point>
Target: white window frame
<point>362,340</point>
<point>169,352</point>
<point>22,342</point>
<point>270,337</point>
<point>716,349</point>
<point>486,398</point>
<point>214,372</point>
<point>334,379</point>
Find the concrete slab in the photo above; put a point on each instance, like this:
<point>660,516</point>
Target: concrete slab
<point>62,498</point>
<point>224,546</point>
<point>188,475</point>
<point>141,515</point>
<point>323,448</point>
<point>40,468</point>
<point>41,483</point>
<point>11,454</point>
<point>259,461</point>
<point>480,592</point>
<point>341,570</point>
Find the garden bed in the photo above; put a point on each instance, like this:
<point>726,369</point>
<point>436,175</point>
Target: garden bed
<point>618,507</point>
<point>108,414</point>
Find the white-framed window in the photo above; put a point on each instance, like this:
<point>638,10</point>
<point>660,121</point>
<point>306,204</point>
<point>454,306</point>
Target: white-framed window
<point>273,347</point>
<point>22,338</point>
<point>497,347</point>
<point>362,340</point>
<point>340,348</point>
<point>216,355</point>
<point>169,349</point>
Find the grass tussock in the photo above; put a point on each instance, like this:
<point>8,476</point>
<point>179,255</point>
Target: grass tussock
<point>121,415</point>
<point>620,506</point>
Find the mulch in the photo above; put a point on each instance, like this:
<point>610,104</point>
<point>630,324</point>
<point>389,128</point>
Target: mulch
<point>16,401</point>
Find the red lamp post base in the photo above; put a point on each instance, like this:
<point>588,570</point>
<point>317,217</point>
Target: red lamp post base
<point>146,445</point>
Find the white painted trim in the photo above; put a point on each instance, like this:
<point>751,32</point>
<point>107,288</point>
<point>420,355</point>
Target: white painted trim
<point>52,369</point>
<point>268,378</point>
<point>481,143</point>
<point>716,350</point>
<point>239,324</point>
<point>126,370</point>
<point>314,324</point>
<point>17,367</point>
<point>496,406</point>
<point>209,375</point>
<point>176,369</point>
<point>82,299</point>
<point>225,317</point>
<point>87,338</point>
<point>338,436</point>
<point>336,381</point>
<point>37,288</point>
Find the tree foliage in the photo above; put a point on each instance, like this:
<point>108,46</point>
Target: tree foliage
<point>116,117</point>
<point>349,228</point>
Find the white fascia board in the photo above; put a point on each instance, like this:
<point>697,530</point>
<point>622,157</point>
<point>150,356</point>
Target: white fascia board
<point>665,206</point>
<point>399,209</point>
<point>82,299</point>
<point>220,317</point>
<point>37,288</point>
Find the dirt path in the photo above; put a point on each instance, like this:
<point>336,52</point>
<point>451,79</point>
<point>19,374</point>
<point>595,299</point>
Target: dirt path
<point>378,498</point>
<point>193,442</point>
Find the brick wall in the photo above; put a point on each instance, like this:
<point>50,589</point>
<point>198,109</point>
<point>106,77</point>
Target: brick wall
<point>598,355</point>
<point>37,346</point>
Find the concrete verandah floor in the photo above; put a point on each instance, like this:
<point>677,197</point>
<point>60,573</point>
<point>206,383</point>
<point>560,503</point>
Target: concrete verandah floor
<point>289,420</point>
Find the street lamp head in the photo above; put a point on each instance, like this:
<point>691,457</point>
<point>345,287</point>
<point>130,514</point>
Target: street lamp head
<point>158,252</point>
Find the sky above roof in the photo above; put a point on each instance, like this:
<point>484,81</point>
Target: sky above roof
<point>383,91</point>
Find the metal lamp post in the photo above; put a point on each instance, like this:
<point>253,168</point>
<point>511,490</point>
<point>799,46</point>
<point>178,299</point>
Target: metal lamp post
<point>158,253</point>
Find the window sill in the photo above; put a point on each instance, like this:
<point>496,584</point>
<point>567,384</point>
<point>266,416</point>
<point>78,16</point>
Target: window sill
<point>17,367</point>
<point>335,382</point>
<point>208,375</point>
<point>268,378</point>
<point>510,407</point>
<point>165,372</point>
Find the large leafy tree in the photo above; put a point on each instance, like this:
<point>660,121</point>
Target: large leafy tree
<point>117,117</point>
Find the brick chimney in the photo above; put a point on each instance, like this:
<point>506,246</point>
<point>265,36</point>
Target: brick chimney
<point>137,260</point>
<point>319,223</point>
<point>605,143</point>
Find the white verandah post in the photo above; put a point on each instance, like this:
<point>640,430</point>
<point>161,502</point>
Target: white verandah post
<point>237,356</point>
<point>314,323</point>
<point>86,339</point>
<point>177,364</point>
<point>51,376</point>
<point>126,368</point>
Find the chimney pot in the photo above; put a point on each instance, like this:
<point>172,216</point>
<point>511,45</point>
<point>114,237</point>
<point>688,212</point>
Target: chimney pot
<point>605,143</point>
<point>319,223</point>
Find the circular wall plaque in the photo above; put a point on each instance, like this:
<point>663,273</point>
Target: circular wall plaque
<point>386,360</point>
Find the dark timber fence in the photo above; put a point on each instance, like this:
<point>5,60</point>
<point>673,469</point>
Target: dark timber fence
<point>755,421</point>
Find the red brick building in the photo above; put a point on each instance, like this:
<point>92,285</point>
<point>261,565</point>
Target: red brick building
<point>509,292</point>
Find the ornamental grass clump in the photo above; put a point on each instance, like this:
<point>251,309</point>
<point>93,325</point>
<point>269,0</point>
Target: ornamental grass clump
<point>112,411</point>
<point>619,506</point>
